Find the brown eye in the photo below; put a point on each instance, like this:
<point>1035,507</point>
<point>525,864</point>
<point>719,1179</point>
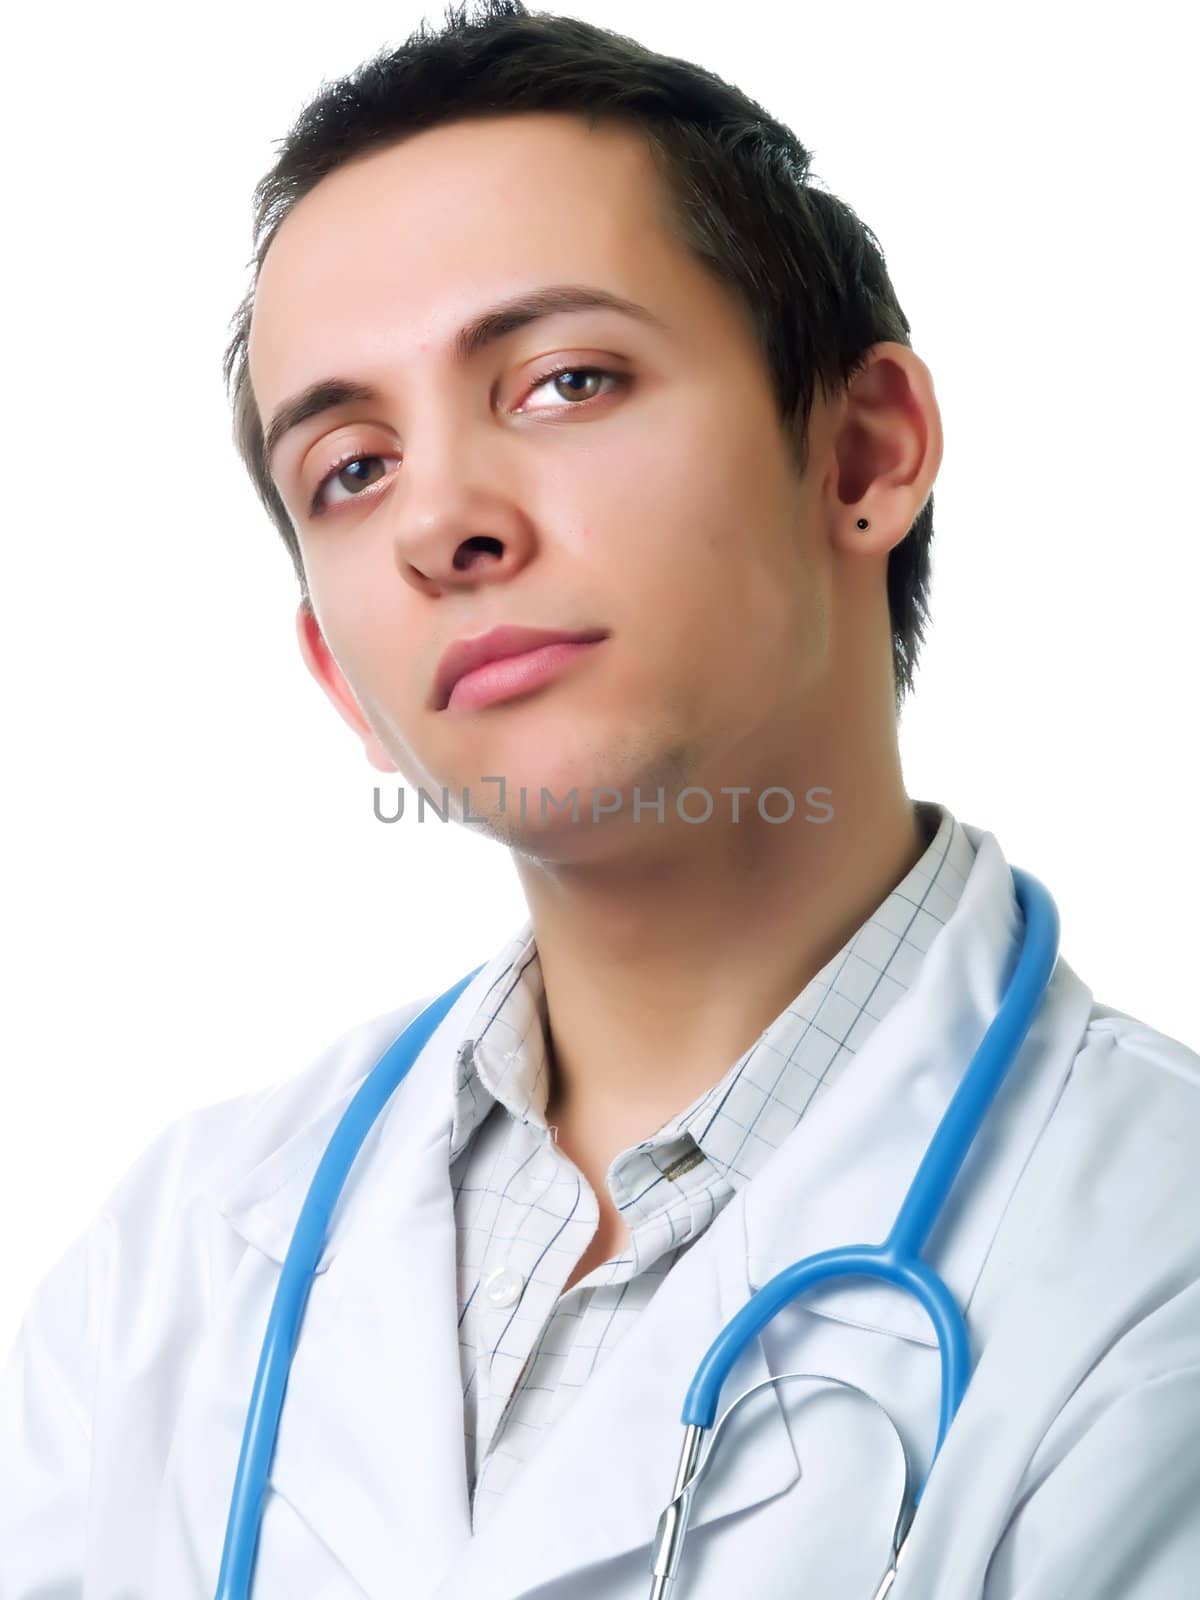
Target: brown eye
<point>575,374</point>
<point>355,466</point>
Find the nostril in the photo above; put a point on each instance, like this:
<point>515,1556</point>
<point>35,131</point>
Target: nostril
<point>464,556</point>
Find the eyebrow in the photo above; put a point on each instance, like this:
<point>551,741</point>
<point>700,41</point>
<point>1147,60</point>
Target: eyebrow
<point>495,323</point>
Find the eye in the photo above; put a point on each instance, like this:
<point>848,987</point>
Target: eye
<point>576,372</point>
<point>355,462</point>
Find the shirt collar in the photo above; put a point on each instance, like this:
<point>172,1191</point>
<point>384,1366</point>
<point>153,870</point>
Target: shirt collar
<point>742,1119</point>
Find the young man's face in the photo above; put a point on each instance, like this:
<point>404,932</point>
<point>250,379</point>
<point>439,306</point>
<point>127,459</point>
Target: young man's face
<point>658,505</point>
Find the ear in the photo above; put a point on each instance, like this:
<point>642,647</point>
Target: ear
<point>888,447</point>
<point>320,662</point>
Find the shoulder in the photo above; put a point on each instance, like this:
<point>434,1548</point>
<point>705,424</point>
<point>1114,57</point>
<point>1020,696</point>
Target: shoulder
<point>195,1156</point>
<point>1109,1200</point>
<point>1130,1109</point>
<point>161,1222</point>
<point>1138,1085</point>
<point>1138,1041</point>
<point>1096,1298</point>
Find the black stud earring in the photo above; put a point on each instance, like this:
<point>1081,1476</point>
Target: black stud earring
<point>862,523</point>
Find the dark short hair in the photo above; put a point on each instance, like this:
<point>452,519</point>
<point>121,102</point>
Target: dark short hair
<point>808,275</point>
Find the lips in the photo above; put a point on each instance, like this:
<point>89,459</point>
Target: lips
<point>465,655</point>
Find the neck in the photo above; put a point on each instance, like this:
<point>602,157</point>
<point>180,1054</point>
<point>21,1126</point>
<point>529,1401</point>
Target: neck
<point>663,966</point>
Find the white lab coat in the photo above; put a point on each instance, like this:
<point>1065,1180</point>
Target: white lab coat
<point>1072,1241</point>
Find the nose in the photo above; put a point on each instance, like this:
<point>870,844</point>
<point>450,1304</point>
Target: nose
<point>447,538</point>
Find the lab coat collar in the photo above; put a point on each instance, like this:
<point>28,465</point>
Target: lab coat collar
<point>390,1267</point>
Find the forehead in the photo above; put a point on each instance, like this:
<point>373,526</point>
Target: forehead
<point>387,256</point>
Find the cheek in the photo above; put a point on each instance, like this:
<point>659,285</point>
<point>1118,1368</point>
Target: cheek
<point>729,580</point>
<point>370,608</point>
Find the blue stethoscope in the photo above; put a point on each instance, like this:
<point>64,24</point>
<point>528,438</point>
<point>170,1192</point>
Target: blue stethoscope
<point>896,1261</point>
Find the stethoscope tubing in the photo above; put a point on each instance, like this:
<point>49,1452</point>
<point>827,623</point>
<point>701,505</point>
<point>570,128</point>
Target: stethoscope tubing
<point>896,1261</point>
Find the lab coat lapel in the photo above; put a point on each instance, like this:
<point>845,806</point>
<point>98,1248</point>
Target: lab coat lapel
<point>370,1452</point>
<point>387,1496</point>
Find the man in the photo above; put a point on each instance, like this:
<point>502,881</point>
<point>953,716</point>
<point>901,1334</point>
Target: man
<point>717,1045</point>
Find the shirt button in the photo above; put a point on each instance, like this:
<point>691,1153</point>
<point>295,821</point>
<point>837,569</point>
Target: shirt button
<point>503,1286</point>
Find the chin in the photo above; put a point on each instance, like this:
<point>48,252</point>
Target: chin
<point>558,841</point>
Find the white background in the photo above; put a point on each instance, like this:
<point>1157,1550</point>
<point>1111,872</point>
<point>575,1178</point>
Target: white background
<point>197,897</point>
